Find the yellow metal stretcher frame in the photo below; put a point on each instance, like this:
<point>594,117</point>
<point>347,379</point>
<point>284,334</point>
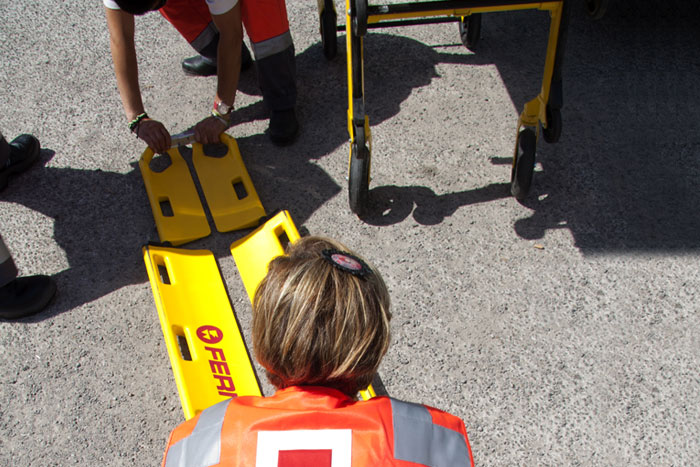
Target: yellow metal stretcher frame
<point>207,353</point>
<point>359,16</point>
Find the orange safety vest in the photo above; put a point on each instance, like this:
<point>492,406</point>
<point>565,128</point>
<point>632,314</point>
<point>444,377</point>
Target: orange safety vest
<point>319,427</point>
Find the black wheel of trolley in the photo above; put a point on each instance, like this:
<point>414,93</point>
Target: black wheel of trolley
<point>596,8</point>
<point>524,164</point>
<point>359,21</point>
<point>329,32</point>
<point>358,183</point>
<point>470,30</point>
<point>552,132</point>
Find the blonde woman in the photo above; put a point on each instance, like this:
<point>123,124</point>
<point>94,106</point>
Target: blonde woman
<point>320,329</point>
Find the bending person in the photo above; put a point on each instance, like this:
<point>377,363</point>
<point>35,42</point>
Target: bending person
<point>213,28</point>
<point>320,329</point>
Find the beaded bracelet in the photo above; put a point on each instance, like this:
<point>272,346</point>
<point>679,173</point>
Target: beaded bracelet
<point>135,122</point>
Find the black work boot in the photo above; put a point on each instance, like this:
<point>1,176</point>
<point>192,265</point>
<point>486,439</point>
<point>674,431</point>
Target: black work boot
<point>283,127</point>
<point>22,153</point>
<point>26,296</point>
<point>199,65</point>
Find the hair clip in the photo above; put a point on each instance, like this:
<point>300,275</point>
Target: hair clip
<point>347,262</point>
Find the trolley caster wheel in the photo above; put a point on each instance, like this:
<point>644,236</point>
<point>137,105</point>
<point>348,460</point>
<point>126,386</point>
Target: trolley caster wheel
<point>358,183</point>
<point>552,132</point>
<point>524,164</point>
<point>470,30</point>
<point>596,8</point>
<point>359,21</point>
<point>329,32</point>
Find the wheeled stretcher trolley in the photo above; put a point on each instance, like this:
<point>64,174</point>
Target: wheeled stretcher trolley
<point>543,111</point>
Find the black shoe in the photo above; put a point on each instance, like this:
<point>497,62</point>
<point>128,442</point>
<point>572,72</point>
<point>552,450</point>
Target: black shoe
<point>283,127</point>
<point>26,296</point>
<point>24,150</point>
<point>203,66</point>
<point>199,66</point>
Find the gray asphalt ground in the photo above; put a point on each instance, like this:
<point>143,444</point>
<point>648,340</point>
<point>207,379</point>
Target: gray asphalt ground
<point>563,329</point>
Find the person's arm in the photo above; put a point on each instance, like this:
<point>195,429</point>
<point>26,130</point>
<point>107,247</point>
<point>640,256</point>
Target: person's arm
<point>121,34</point>
<point>228,71</point>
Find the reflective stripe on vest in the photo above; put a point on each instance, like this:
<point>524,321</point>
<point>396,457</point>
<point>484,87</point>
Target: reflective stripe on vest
<point>417,439</point>
<point>202,447</point>
<point>272,46</point>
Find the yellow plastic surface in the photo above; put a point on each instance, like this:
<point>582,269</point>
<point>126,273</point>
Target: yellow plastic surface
<point>254,252</point>
<point>193,306</point>
<point>218,176</point>
<point>174,185</point>
<point>367,394</point>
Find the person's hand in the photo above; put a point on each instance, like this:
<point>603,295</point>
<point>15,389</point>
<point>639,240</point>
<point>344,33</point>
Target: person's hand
<point>208,130</point>
<point>154,134</point>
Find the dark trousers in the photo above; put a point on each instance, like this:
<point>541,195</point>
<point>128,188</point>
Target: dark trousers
<point>8,270</point>
<point>4,150</point>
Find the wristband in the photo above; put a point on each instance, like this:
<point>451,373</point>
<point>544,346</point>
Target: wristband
<point>133,125</point>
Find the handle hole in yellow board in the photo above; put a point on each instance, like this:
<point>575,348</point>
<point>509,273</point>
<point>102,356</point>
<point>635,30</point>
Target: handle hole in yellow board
<point>163,274</point>
<point>160,162</point>
<point>240,190</point>
<point>184,348</point>
<point>166,208</point>
<point>283,239</point>
<point>216,150</point>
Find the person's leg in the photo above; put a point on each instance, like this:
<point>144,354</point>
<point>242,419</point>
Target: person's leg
<point>21,296</point>
<point>193,21</point>
<point>267,26</point>
<point>8,270</point>
<point>4,151</point>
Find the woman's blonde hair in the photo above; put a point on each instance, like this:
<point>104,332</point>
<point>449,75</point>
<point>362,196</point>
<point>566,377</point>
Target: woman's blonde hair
<point>315,323</point>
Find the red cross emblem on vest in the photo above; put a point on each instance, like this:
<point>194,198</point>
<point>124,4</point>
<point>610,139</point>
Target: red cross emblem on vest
<point>305,458</point>
<point>304,448</point>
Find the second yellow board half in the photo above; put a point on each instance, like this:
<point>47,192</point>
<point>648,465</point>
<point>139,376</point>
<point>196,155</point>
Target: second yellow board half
<point>209,358</point>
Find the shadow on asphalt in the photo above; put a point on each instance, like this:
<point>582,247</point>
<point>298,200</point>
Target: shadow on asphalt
<point>102,219</point>
<point>624,176</point>
<point>392,204</point>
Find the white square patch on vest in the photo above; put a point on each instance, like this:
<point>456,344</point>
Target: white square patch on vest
<point>270,443</point>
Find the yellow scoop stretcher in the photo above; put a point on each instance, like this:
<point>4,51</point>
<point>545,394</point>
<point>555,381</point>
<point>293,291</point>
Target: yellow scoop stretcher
<point>175,204</point>
<point>209,358</point>
<point>179,215</point>
<point>230,194</point>
<point>254,252</point>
